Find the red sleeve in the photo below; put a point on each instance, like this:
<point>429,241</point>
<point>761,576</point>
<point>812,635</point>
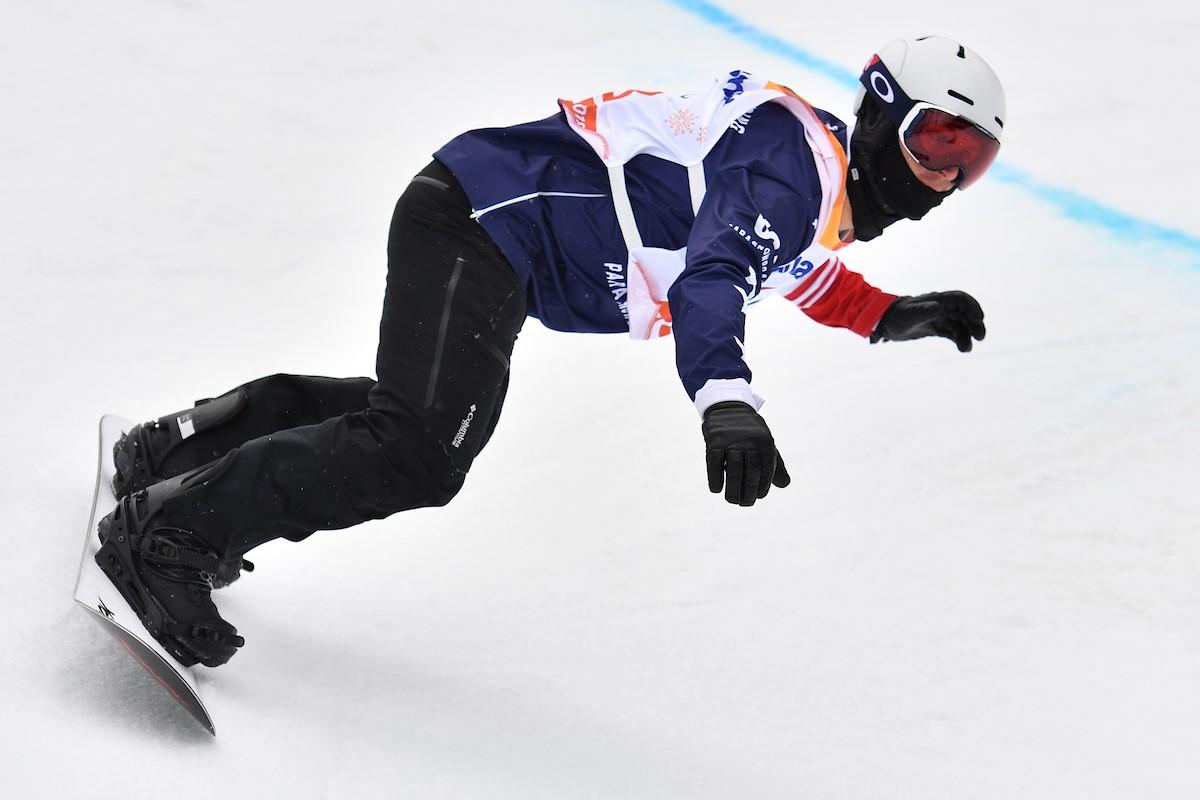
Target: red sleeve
<point>834,296</point>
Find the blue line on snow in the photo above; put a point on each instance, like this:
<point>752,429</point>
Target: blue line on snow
<point>1073,205</point>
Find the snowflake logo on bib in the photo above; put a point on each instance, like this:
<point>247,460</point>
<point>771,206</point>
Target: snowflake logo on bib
<point>681,121</point>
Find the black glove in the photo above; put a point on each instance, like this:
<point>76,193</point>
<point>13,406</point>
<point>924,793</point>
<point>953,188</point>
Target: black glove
<point>954,315</point>
<point>741,453</point>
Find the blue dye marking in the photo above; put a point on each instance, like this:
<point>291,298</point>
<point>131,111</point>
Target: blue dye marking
<point>1085,210</point>
<point>1071,204</point>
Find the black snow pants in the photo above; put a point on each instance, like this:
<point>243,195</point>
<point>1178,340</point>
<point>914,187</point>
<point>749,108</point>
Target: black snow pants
<point>310,453</point>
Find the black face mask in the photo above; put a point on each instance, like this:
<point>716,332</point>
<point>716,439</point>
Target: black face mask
<point>881,187</point>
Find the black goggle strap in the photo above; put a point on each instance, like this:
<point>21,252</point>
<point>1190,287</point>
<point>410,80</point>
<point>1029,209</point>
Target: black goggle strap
<point>879,83</point>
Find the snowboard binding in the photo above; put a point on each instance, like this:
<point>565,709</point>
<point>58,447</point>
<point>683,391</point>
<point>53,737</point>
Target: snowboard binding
<point>165,573</point>
<point>160,449</point>
<point>154,451</point>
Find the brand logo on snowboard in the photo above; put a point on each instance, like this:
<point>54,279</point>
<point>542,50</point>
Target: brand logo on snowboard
<point>103,609</point>
<point>462,428</point>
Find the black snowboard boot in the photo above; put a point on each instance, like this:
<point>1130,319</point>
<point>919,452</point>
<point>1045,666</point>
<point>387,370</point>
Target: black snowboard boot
<point>156,450</point>
<point>165,573</point>
<point>153,451</point>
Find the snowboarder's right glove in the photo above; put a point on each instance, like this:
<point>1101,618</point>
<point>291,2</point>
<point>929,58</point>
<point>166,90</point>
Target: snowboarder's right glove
<point>741,453</point>
<point>954,315</point>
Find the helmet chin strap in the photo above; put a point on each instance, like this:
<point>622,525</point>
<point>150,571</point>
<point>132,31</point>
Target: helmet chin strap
<point>880,185</point>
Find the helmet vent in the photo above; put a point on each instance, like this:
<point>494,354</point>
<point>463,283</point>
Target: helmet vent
<point>999,121</point>
<point>962,97</point>
<point>962,53</point>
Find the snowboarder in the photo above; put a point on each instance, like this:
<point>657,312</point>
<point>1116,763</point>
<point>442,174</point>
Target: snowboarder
<point>628,212</point>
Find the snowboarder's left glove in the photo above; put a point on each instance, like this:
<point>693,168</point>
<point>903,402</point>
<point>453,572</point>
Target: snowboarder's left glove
<point>741,453</point>
<point>954,315</point>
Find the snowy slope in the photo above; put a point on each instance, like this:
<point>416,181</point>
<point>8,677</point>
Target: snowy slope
<point>982,583</point>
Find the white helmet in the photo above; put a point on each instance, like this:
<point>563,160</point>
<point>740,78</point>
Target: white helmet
<point>931,101</point>
<point>943,73</point>
<point>943,99</point>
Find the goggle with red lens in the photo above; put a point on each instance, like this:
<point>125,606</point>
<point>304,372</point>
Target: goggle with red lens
<point>936,138</point>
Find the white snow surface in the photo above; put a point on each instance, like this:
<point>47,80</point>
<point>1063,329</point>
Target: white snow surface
<point>983,582</point>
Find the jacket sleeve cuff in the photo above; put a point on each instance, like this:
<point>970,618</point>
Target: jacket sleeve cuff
<point>864,324</point>
<point>718,391</point>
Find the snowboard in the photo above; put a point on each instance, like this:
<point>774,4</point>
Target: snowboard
<point>105,604</point>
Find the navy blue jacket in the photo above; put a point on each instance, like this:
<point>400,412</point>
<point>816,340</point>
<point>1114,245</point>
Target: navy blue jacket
<point>543,196</point>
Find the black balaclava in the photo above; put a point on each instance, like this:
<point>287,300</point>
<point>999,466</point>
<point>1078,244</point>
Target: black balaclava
<point>881,187</point>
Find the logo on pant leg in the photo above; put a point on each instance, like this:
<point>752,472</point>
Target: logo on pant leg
<point>463,427</point>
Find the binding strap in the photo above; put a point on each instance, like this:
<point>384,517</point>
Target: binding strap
<point>164,551</point>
